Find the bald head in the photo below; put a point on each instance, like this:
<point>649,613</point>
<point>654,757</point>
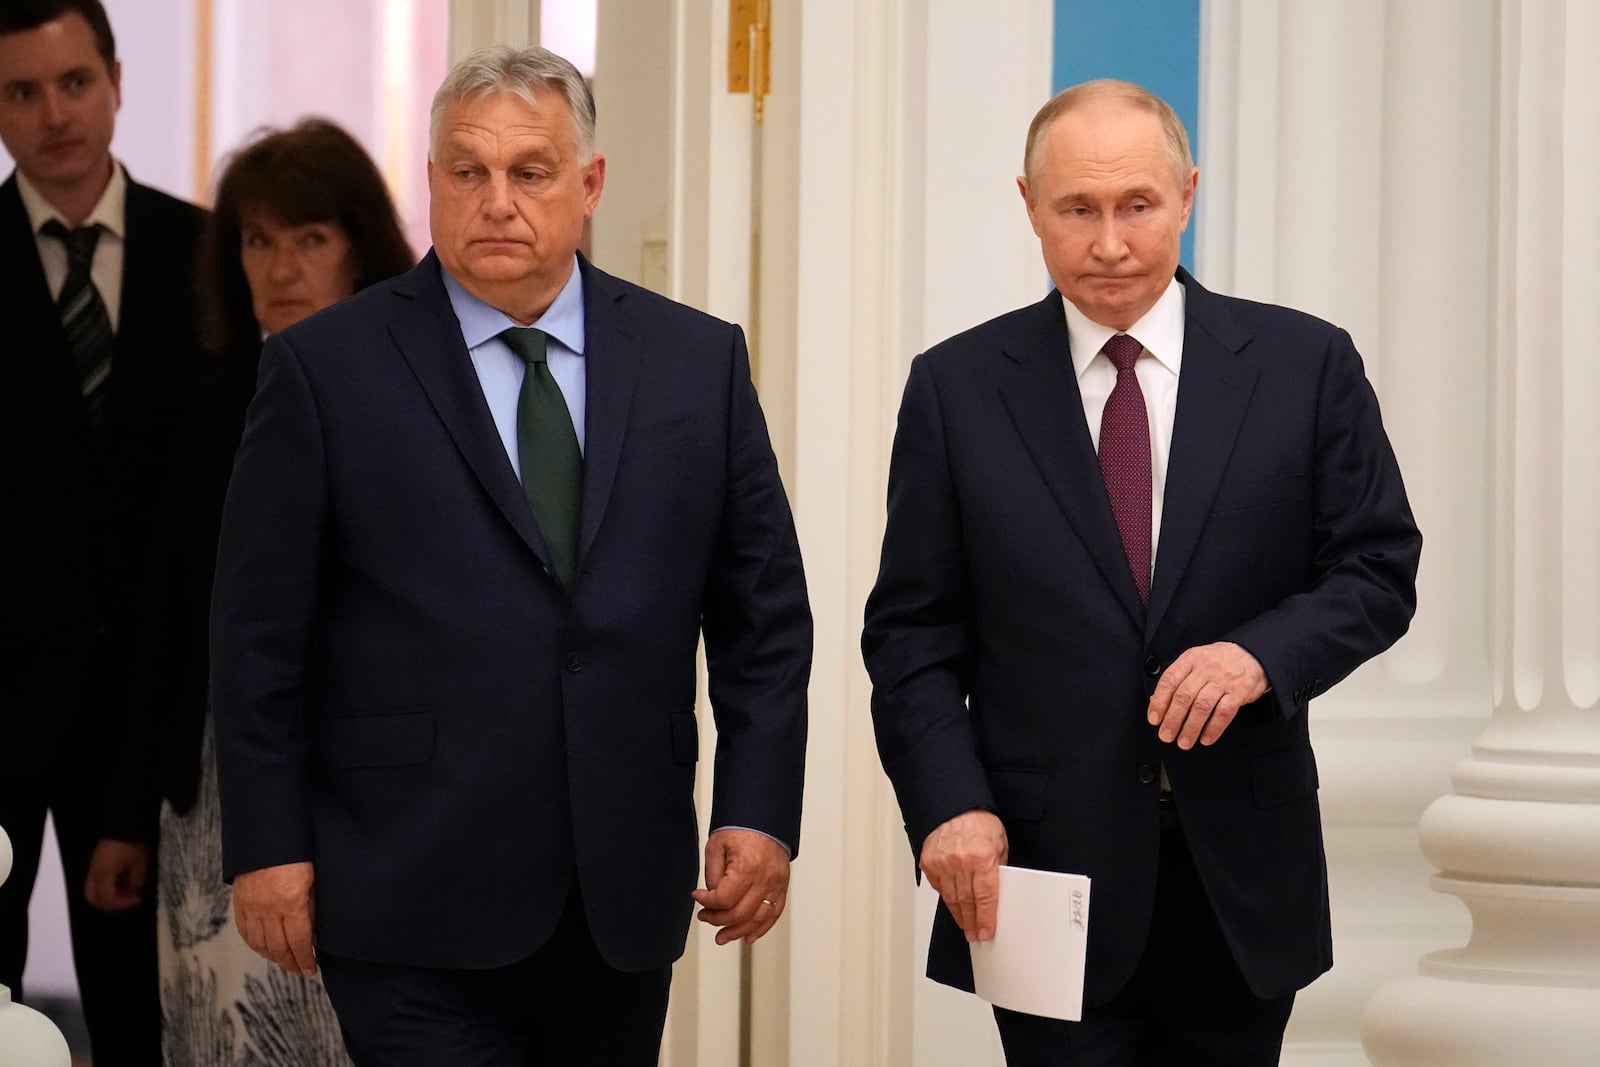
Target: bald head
<point>1109,92</point>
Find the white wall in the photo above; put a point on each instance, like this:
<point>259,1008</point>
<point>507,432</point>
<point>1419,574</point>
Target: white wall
<point>49,971</point>
<point>155,129</point>
<point>369,65</point>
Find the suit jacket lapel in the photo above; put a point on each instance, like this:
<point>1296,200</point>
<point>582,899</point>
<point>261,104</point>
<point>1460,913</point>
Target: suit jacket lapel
<point>425,330</point>
<point>155,326</point>
<point>146,269</point>
<point>1214,389</point>
<point>1041,393</point>
<point>19,260</point>
<point>611,367</point>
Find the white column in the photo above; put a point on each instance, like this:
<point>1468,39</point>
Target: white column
<point>858,123</point>
<point>678,220</point>
<point>476,24</point>
<point>977,258</point>
<point>1345,159</point>
<point>905,226</point>
<point>1519,838</point>
<point>634,123</point>
<point>27,1038</point>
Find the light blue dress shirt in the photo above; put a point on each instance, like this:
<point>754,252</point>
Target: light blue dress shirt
<point>500,370</point>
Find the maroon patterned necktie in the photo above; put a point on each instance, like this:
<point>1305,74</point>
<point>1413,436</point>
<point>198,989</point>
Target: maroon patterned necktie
<point>1125,459</point>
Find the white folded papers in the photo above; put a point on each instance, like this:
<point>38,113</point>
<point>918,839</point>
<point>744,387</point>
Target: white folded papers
<point>1035,962</point>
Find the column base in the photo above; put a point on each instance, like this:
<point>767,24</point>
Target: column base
<point>1430,1021</point>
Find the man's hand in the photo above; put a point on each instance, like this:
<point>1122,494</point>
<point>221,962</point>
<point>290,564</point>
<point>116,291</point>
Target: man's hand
<point>1200,693</point>
<point>747,881</point>
<point>961,859</point>
<point>272,908</point>
<point>118,873</point>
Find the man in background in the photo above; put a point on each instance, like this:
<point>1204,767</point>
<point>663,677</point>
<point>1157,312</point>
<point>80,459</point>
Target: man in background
<point>1133,529</point>
<point>480,518</point>
<point>98,352</point>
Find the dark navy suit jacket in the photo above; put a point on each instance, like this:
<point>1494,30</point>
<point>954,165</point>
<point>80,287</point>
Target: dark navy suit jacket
<point>406,696</point>
<point>1012,661</point>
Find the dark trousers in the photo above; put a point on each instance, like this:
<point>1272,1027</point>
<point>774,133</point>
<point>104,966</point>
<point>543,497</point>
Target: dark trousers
<point>563,1005</point>
<point>114,955</point>
<point>1186,1006</point>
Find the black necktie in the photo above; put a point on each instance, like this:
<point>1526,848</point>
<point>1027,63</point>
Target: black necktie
<point>547,450</point>
<point>84,320</point>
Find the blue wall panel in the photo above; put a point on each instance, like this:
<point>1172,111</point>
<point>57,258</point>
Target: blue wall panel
<point>1154,43</point>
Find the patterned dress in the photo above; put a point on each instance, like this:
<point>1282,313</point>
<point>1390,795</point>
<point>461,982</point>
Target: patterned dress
<point>221,1004</point>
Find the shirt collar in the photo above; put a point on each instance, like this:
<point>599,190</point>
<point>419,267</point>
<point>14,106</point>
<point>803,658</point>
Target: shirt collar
<point>110,212</point>
<point>1160,330</point>
<point>563,320</point>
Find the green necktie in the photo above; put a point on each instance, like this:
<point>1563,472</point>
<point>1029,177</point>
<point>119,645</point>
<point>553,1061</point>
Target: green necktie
<point>547,449</point>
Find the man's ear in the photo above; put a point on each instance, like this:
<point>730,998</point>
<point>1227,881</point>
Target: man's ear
<point>1027,202</point>
<point>1189,188</point>
<point>594,180</point>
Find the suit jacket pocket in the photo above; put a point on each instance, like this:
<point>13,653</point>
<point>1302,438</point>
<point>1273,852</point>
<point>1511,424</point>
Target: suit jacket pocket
<point>392,739</point>
<point>685,738</point>
<point>1020,793</point>
<point>1261,492</point>
<point>1284,776</point>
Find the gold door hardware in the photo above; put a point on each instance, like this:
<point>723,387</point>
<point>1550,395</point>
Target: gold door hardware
<point>750,50</point>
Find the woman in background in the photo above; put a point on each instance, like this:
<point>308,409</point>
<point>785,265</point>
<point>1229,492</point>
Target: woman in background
<point>302,220</point>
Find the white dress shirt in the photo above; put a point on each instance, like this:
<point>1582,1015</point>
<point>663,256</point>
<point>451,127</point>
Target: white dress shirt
<point>1160,331</point>
<point>111,213</point>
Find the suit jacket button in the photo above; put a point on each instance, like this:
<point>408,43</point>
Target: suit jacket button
<point>1152,667</point>
<point>574,662</point>
<point>1147,774</point>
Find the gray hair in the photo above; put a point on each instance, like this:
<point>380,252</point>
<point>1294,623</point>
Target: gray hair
<point>523,72</point>
<point>1134,96</point>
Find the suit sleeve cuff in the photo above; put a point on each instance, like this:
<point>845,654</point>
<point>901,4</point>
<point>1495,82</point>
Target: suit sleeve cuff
<point>763,833</point>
